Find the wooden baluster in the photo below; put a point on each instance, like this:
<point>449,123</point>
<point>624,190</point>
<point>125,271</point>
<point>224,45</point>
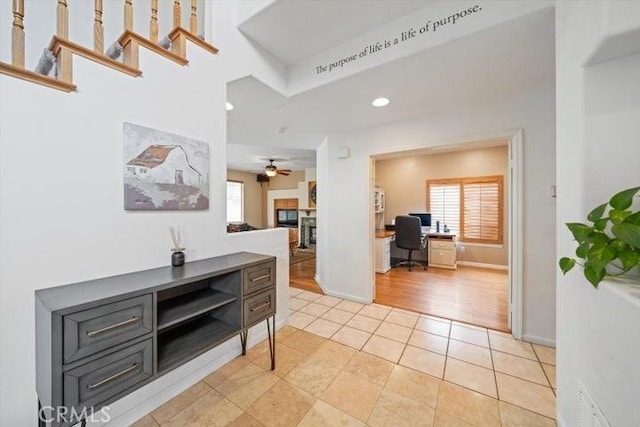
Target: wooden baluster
<point>64,57</point>
<point>130,50</point>
<point>98,30</point>
<point>17,34</point>
<point>62,20</point>
<point>176,14</point>
<point>128,15</point>
<point>153,26</point>
<point>193,21</point>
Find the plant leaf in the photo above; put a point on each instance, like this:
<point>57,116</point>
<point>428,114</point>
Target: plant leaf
<point>600,255</point>
<point>597,213</point>
<point>598,238</point>
<point>579,231</point>
<point>629,259</point>
<point>619,246</point>
<point>623,199</point>
<point>593,275</point>
<point>633,218</point>
<point>628,233</point>
<point>617,216</point>
<point>582,250</point>
<point>566,264</point>
<point>601,224</point>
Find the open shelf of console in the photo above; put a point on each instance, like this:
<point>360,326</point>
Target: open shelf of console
<point>185,307</point>
<point>191,339</point>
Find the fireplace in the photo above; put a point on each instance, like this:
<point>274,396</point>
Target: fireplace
<point>307,232</point>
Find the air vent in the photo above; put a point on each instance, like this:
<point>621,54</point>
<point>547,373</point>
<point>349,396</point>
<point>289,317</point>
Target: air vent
<point>589,415</point>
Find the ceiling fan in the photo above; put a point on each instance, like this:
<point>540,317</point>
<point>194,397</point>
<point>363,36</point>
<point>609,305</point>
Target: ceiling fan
<point>272,170</point>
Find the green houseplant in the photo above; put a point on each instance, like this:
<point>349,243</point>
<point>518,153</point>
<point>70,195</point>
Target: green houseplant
<point>610,245</point>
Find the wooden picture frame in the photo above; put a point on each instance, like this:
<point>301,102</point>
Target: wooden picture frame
<point>312,194</point>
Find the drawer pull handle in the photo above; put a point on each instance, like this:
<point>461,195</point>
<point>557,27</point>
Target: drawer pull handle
<point>112,377</point>
<point>261,306</point>
<point>134,319</point>
<point>257,279</point>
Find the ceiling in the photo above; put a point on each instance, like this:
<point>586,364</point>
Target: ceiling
<point>292,30</point>
<point>252,158</point>
<point>497,63</point>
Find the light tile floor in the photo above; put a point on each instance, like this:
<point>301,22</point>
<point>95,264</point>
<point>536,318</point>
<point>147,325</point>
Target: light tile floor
<point>344,363</point>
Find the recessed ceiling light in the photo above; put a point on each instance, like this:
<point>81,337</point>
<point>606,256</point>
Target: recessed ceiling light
<point>229,106</point>
<point>380,102</point>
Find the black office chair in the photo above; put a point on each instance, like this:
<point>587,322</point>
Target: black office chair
<point>408,236</point>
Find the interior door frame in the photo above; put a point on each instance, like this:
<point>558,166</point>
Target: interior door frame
<point>515,182</point>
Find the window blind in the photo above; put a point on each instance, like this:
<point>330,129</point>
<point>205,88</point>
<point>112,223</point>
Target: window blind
<point>472,208</point>
<point>444,205</point>
<point>482,213</point>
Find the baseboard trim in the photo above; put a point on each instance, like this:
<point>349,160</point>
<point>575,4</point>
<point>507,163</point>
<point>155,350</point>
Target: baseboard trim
<point>338,294</point>
<point>539,340</point>
<point>347,297</point>
<point>319,282</point>
<point>483,265</point>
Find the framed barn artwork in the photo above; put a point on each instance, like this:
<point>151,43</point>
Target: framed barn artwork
<point>164,171</point>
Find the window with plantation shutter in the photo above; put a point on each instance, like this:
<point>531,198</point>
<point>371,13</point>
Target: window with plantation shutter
<point>472,208</point>
<point>482,212</point>
<point>443,202</point>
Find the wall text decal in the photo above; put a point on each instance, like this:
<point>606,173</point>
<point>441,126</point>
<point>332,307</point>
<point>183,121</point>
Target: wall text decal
<point>408,34</point>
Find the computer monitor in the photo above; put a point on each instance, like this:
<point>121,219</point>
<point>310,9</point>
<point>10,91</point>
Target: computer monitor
<point>425,218</point>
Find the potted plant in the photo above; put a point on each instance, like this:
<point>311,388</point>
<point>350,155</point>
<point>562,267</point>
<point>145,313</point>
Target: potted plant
<point>610,245</point>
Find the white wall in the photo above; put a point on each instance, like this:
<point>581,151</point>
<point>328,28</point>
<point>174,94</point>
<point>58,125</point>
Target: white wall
<point>598,123</point>
<point>61,200</point>
<point>345,188</point>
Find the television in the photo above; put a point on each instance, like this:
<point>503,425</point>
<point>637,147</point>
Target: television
<point>287,217</point>
<point>425,218</point>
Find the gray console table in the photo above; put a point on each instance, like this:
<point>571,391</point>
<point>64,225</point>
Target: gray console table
<point>97,341</point>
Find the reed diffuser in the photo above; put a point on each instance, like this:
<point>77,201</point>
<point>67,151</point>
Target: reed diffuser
<point>177,257</point>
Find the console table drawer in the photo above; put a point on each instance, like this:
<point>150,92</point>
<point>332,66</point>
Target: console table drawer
<point>259,277</point>
<point>95,382</point>
<point>259,307</point>
<point>90,331</point>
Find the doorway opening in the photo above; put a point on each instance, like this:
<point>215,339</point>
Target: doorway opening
<point>470,277</point>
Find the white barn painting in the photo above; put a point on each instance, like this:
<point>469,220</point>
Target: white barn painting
<point>164,171</point>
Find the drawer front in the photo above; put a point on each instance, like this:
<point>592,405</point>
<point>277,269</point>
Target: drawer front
<point>259,277</point>
<point>89,331</point>
<point>442,244</point>
<point>94,383</point>
<point>443,257</point>
<point>259,307</point>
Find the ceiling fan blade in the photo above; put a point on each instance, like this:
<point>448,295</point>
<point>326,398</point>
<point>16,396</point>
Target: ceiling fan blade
<point>284,172</point>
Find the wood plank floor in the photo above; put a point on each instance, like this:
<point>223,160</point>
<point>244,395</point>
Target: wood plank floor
<point>471,295</point>
<point>302,276</point>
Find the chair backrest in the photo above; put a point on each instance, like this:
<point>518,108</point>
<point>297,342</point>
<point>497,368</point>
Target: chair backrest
<point>408,232</point>
<point>293,235</point>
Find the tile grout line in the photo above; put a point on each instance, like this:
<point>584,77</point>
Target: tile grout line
<point>449,338</point>
<point>495,376</point>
